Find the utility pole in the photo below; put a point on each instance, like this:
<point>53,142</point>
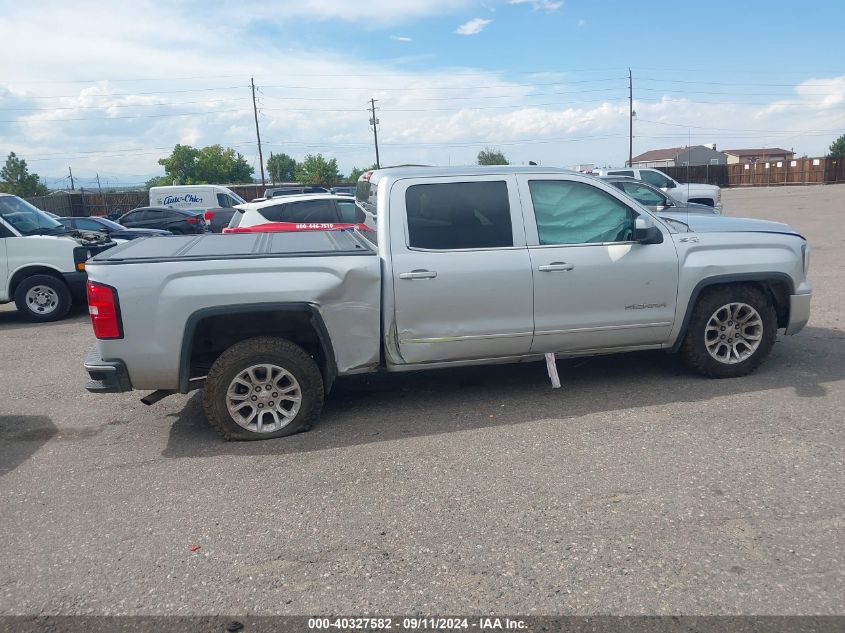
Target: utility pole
<point>630,119</point>
<point>257,133</point>
<point>374,123</point>
<point>70,173</point>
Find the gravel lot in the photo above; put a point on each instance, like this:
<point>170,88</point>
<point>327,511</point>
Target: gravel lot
<point>637,488</point>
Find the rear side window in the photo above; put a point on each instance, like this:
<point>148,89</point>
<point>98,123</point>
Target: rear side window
<point>349,212</point>
<point>448,216</point>
<point>623,172</point>
<point>311,211</point>
<point>569,212</point>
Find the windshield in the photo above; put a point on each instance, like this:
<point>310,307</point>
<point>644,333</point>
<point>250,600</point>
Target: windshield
<point>27,219</point>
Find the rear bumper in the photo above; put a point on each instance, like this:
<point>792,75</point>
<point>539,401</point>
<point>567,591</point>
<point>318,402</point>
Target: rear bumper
<point>106,376</point>
<point>799,312</point>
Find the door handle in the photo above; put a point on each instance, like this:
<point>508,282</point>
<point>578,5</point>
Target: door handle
<point>555,266</point>
<point>419,274</point>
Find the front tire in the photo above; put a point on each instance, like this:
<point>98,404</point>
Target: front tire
<point>731,331</point>
<point>263,388</point>
<point>42,298</point>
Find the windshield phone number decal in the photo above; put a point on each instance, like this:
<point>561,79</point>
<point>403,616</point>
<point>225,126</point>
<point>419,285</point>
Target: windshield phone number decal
<point>417,624</point>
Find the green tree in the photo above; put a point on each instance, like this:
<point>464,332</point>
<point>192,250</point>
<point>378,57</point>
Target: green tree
<point>837,148</point>
<point>181,165</point>
<point>492,156</point>
<point>159,181</point>
<point>188,165</point>
<point>356,172</point>
<point>16,179</point>
<point>316,170</point>
<point>281,168</point>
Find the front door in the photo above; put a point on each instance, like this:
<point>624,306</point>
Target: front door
<point>461,271</point>
<point>594,287</point>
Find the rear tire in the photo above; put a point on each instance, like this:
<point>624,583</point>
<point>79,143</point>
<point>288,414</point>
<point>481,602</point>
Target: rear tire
<point>263,388</point>
<point>43,298</point>
<point>731,331</point>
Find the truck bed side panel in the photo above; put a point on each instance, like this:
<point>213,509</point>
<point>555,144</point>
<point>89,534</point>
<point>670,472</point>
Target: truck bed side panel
<point>157,299</point>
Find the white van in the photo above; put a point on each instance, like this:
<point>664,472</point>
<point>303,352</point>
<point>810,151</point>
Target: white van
<point>42,262</point>
<point>194,197</point>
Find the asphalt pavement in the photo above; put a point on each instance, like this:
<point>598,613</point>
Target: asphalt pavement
<point>636,488</point>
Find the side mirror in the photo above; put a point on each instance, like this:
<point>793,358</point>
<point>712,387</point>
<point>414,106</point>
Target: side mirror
<point>645,232</point>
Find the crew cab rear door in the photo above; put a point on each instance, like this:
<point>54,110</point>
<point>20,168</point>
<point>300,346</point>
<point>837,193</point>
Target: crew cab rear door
<point>461,272</point>
<point>594,286</point>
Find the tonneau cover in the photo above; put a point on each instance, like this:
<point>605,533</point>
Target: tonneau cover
<point>237,246</point>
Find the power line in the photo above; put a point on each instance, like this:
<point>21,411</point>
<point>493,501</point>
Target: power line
<point>133,94</point>
<point>122,105</point>
<point>118,118</point>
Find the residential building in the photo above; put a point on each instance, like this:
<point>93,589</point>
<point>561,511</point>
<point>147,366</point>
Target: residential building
<point>758,155</point>
<point>680,157</point>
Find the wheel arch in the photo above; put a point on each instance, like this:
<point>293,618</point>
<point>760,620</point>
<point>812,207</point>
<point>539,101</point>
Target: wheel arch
<point>28,271</point>
<point>778,287</point>
<point>210,331</point>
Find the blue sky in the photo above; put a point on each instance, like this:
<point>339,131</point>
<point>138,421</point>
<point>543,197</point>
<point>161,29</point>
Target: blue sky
<point>543,80</point>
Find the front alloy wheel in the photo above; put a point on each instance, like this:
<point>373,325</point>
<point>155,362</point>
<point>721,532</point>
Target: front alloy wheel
<point>733,333</point>
<point>731,330</point>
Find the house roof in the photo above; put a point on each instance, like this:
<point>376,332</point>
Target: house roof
<point>759,151</point>
<point>658,154</point>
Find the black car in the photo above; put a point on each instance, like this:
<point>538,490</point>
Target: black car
<point>110,228</point>
<point>177,221</point>
<point>275,192</point>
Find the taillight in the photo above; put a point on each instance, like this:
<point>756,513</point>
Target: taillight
<point>208,215</point>
<point>104,310</point>
<point>191,219</point>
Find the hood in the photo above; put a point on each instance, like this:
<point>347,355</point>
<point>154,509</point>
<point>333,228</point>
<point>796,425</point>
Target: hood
<point>700,223</point>
<point>690,207</point>
<point>698,189</point>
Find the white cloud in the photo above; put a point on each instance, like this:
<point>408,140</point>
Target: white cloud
<point>401,38</point>
<point>537,5</point>
<point>473,27</point>
<point>582,23</point>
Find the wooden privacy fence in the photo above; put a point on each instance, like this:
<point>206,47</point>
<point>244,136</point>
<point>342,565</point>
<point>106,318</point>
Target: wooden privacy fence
<point>84,203</point>
<point>798,171</point>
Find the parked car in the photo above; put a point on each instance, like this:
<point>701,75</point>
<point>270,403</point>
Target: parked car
<point>42,262</point>
<point>218,219</point>
<point>711,195</point>
<point>344,190</point>
<point>469,266</point>
<point>275,192</point>
<point>654,199</point>
<point>176,221</point>
<point>300,209</point>
<point>110,228</point>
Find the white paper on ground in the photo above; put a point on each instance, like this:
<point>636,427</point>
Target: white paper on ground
<point>552,367</point>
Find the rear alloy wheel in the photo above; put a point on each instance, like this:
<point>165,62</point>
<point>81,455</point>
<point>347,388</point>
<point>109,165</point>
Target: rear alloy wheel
<point>42,298</point>
<point>731,330</point>
<point>262,388</point>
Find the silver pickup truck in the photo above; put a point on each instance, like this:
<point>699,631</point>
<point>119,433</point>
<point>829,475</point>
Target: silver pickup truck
<point>465,266</point>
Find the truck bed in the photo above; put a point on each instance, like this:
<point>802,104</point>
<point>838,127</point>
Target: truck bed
<point>212,246</point>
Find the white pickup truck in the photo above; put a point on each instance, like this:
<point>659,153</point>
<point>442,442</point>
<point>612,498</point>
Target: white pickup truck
<point>42,262</point>
<point>698,193</point>
<point>466,266</point>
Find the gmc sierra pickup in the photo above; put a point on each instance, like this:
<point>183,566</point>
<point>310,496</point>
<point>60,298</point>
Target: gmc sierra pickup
<point>466,266</point>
